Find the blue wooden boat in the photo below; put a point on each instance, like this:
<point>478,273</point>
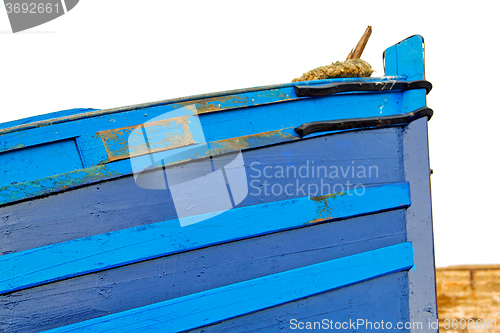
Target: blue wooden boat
<point>280,208</point>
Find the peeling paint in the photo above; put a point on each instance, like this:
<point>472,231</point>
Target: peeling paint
<point>116,144</point>
<point>264,91</point>
<point>251,141</point>
<point>14,147</point>
<point>325,204</point>
<point>55,183</point>
<point>43,186</point>
<point>162,135</point>
<point>221,103</point>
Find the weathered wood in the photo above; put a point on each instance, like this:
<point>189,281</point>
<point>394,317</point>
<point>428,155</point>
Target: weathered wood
<point>17,166</point>
<point>384,297</point>
<point>409,61</point>
<point>93,295</point>
<point>122,249</point>
<point>59,261</point>
<point>80,114</point>
<point>360,47</point>
<point>236,132</point>
<point>230,301</point>
<point>44,117</point>
<point>121,204</point>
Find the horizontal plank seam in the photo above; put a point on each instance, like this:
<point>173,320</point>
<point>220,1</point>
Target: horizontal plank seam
<point>231,301</point>
<point>38,266</point>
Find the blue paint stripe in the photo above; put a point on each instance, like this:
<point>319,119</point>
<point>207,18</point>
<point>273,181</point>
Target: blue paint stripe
<point>48,116</point>
<point>69,128</point>
<point>58,261</point>
<point>55,118</point>
<point>217,126</point>
<point>61,182</point>
<point>69,180</point>
<point>73,179</point>
<point>216,305</point>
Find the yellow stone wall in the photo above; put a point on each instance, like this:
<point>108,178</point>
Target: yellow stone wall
<point>469,292</point>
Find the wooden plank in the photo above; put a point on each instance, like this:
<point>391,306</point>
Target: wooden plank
<point>71,116</point>
<point>217,128</point>
<point>384,297</point>
<point>59,261</point>
<point>13,191</point>
<point>45,117</point>
<point>407,59</point>
<point>57,183</point>
<point>243,122</point>
<point>101,293</point>
<point>422,296</point>
<point>121,204</point>
<point>27,164</point>
<point>215,305</point>
<point>235,125</point>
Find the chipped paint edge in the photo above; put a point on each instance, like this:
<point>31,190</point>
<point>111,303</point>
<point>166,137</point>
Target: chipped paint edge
<point>57,183</point>
<point>120,167</point>
<point>182,100</point>
<point>196,310</point>
<point>81,256</point>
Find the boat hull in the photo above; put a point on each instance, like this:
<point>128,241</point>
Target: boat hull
<point>285,230</point>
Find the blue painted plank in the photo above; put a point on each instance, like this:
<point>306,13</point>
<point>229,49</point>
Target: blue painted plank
<point>384,297</point>
<point>68,115</point>
<point>293,114</point>
<point>238,122</point>
<point>101,293</point>
<point>216,126</point>
<point>61,182</point>
<point>45,160</point>
<point>407,59</point>
<point>121,204</point>
<point>57,114</point>
<point>101,122</point>
<point>54,262</point>
<point>422,296</point>
<point>227,302</point>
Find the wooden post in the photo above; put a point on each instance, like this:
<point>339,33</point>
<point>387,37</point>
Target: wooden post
<point>358,50</point>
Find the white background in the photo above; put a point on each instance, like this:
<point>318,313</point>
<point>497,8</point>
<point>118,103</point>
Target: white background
<point>110,53</point>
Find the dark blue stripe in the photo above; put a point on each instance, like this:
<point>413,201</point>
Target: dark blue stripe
<point>384,298</point>
<point>121,204</point>
<point>215,305</point>
<point>101,293</point>
<point>55,262</point>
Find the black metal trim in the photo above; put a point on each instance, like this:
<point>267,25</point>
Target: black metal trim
<point>340,87</point>
<point>360,123</point>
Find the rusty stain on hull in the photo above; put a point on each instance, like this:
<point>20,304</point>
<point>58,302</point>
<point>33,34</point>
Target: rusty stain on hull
<point>55,183</point>
<point>162,135</point>
<point>251,141</point>
<point>116,141</point>
<point>324,210</point>
<point>229,102</point>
